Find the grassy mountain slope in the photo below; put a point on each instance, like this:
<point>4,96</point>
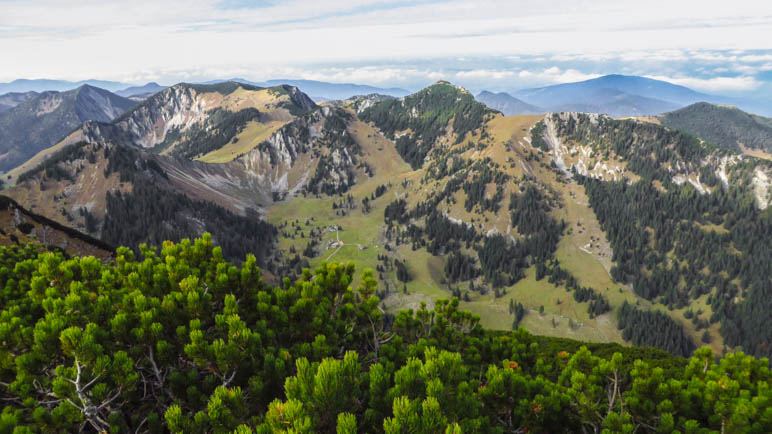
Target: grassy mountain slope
<point>19,226</point>
<point>104,178</point>
<point>126,196</point>
<point>727,127</point>
<point>568,224</point>
<point>439,115</point>
<point>386,222</point>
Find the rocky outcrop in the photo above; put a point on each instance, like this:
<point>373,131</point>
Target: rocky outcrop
<point>315,152</point>
<point>186,112</point>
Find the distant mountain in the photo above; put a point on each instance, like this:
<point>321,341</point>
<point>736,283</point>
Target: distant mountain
<point>12,99</point>
<point>43,120</point>
<point>141,92</point>
<point>42,85</point>
<point>725,126</point>
<point>617,95</point>
<point>320,90</point>
<point>507,104</point>
<point>337,91</point>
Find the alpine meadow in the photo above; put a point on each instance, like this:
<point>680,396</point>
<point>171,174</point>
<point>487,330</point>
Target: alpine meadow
<point>385,217</point>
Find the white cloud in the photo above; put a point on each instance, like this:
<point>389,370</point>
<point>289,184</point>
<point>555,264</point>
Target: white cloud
<point>553,75</point>
<point>715,84</point>
<point>175,39</point>
<point>486,74</point>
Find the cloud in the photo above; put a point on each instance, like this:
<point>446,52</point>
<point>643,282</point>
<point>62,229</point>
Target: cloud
<point>485,74</point>
<point>497,43</point>
<point>554,75</point>
<point>715,84</point>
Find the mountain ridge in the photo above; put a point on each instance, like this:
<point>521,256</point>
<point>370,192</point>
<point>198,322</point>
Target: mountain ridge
<point>442,196</point>
<point>726,126</point>
<point>44,119</point>
<point>42,85</point>
<point>644,96</point>
<point>141,92</point>
<point>506,103</point>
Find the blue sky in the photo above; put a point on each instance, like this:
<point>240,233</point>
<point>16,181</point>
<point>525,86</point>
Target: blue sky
<point>713,46</point>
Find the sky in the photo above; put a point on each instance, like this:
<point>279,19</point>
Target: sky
<point>722,47</point>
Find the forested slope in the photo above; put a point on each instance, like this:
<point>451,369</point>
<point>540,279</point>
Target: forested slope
<point>178,339</point>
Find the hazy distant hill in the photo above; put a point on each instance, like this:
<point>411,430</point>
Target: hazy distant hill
<point>336,91</point>
<point>43,120</point>
<point>42,85</point>
<point>722,125</point>
<point>141,92</point>
<point>320,90</point>
<point>618,95</point>
<point>12,99</point>
<point>507,104</point>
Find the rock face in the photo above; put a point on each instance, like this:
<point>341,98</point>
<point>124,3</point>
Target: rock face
<point>314,151</point>
<point>44,119</point>
<point>186,113</point>
<point>309,150</point>
<point>603,148</point>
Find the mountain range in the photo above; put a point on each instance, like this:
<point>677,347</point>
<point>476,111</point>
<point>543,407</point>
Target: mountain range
<point>616,95</point>
<point>139,93</point>
<point>42,119</point>
<point>323,91</point>
<point>43,85</point>
<point>12,99</point>
<point>582,220</point>
<point>507,104</point>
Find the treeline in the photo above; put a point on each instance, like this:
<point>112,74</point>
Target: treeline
<point>653,329</point>
<point>427,114</point>
<point>179,340</point>
<point>446,235</point>
<point>460,267</point>
<point>56,166</point>
<point>722,125</point>
<point>149,214</point>
<point>598,304</point>
<point>502,259</point>
<point>664,247</point>
<point>529,214</point>
<point>484,173</point>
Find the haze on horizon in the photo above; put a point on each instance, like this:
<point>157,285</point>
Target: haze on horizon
<point>711,46</point>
